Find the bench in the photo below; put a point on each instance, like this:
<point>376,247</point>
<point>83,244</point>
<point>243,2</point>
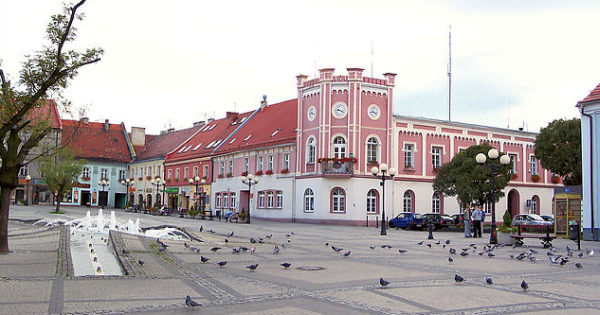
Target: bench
<point>546,238</point>
<point>206,214</point>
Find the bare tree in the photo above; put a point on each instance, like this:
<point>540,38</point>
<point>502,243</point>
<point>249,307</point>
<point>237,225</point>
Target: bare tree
<point>47,72</point>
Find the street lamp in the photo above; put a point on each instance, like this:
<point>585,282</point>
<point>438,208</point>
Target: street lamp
<point>249,180</point>
<point>28,179</point>
<point>197,181</point>
<point>104,198</point>
<point>128,183</point>
<point>504,160</point>
<point>158,182</point>
<point>390,175</point>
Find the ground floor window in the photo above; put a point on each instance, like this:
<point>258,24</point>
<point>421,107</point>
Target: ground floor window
<point>436,203</point>
<point>408,201</point>
<point>338,200</point>
<point>372,201</point>
<point>309,200</point>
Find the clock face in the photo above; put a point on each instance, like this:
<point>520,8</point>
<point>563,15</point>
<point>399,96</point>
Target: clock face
<point>312,113</point>
<point>374,111</point>
<point>340,110</point>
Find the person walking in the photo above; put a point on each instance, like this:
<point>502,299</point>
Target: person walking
<point>467,221</point>
<point>477,215</point>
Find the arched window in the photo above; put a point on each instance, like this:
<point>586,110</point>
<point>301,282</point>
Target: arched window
<point>436,203</point>
<point>309,200</point>
<point>372,201</point>
<point>372,149</point>
<point>311,150</point>
<point>149,201</point>
<point>535,205</point>
<point>339,147</point>
<point>408,201</point>
<point>338,200</point>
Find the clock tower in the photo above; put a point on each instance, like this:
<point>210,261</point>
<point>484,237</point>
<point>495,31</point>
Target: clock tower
<point>344,117</point>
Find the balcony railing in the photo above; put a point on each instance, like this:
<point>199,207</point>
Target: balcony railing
<point>333,167</point>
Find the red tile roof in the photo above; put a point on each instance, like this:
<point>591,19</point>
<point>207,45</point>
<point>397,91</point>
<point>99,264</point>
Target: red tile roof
<point>91,142</point>
<point>137,149</point>
<point>46,110</point>
<point>203,143</point>
<point>164,144</point>
<point>273,125</point>
<point>594,96</point>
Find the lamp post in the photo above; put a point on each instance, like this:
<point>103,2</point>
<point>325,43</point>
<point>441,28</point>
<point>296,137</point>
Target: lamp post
<point>158,182</point>
<point>383,176</point>
<point>196,181</point>
<point>504,160</point>
<point>28,179</point>
<point>128,183</point>
<point>249,180</point>
<point>103,183</point>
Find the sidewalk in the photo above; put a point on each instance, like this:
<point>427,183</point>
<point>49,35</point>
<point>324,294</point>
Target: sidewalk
<point>37,278</point>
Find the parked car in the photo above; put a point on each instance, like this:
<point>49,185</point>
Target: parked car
<point>529,219</point>
<point>438,220</point>
<point>548,218</point>
<point>407,220</point>
<point>458,219</point>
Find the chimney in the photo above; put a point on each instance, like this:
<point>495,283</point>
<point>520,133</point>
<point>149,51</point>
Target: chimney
<point>208,121</point>
<point>263,103</point>
<point>138,136</point>
<point>106,125</point>
<point>85,121</point>
<point>198,123</point>
<point>232,115</point>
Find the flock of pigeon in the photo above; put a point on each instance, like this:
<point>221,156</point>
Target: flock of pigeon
<point>486,250</point>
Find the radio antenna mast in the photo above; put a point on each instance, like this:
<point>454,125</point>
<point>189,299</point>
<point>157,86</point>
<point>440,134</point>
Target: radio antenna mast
<point>449,72</point>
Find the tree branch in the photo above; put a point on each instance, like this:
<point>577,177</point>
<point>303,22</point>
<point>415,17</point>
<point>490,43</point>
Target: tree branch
<point>67,31</point>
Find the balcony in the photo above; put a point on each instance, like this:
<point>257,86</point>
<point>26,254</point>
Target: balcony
<point>337,167</point>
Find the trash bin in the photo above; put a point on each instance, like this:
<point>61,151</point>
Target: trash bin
<point>573,231</point>
<point>218,213</point>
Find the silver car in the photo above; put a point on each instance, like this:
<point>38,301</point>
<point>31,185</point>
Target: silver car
<point>529,219</point>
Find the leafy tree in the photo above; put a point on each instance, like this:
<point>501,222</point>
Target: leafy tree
<point>558,146</point>
<point>61,171</point>
<point>47,72</point>
<point>470,181</point>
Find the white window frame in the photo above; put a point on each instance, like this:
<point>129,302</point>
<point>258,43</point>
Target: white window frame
<point>279,200</point>
<point>309,200</point>
<point>177,174</point>
<point>104,173</point>
<point>218,201</point>
<point>533,165</point>
<point>372,149</point>
<point>232,200</point>
<point>372,201</point>
<point>259,163</point>
<point>270,163</point>
<point>85,172</point>
<point>247,165</point>
<point>339,147</point>
<point>436,156</point>
<point>261,199</point>
<point>407,202</point>
<point>513,158</point>
<point>222,168</point>
<point>270,199</point>
<point>286,161</point>
<point>231,166</point>
<point>338,201</point>
<point>409,155</point>
<point>436,203</point>
<point>311,151</point>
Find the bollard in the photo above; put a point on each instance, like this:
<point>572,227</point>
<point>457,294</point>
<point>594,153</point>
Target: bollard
<point>367,221</point>
<point>578,237</point>
<point>430,227</point>
<point>377,222</point>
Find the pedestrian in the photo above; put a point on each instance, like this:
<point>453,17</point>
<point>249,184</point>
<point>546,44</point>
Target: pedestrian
<point>467,221</point>
<point>477,214</point>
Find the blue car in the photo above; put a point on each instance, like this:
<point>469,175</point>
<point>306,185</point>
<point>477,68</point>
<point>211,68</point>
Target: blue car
<point>408,220</point>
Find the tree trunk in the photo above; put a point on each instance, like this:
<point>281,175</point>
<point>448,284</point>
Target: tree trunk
<point>4,209</point>
<point>58,200</point>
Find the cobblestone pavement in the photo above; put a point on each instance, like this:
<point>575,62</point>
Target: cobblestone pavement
<point>37,277</point>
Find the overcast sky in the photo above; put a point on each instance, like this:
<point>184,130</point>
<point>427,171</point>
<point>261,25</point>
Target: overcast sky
<point>170,63</point>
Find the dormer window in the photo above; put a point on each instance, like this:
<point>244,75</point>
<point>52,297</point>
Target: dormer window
<point>275,132</point>
<point>247,138</point>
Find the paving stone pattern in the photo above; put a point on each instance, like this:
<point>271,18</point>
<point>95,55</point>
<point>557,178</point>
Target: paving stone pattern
<point>37,277</point>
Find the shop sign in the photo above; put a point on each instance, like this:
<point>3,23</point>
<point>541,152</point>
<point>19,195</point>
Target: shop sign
<point>80,185</point>
<point>172,190</point>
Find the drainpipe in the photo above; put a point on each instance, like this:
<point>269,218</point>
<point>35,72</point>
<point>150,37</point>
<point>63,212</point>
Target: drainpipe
<point>591,171</point>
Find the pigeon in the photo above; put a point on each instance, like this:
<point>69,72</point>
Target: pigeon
<point>269,236</point>
<point>201,228</point>
<point>95,258</point>
<point>226,241</point>
<point>253,241</point>
<point>420,243</point>
<point>337,249</point>
<point>386,246</point>
<point>125,251</point>
<point>452,251</point>
<point>402,251</point>
<point>578,266</point>
<point>464,254</point>
<point>252,250</point>
<point>447,242</point>
<point>236,250</point>
<point>458,279</point>
<point>285,265</point>
<point>191,303</point>
<point>372,247</point>
<point>383,283</point>
<point>490,255</point>
<point>524,286</point>
<point>450,260</point>
<point>214,249</point>
<point>141,262</point>
<point>346,254</point>
<point>230,234</point>
<point>437,243</point>
<point>326,243</point>
<point>488,280</point>
<point>90,245</point>
<point>92,251</point>
<point>429,245</point>
<point>252,267</point>
<point>244,248</point>
<point>99,268</point>
<point>276,250</point>
<point>580,254</point>
<point>592,253</point>
<point>204,259</point>
<point>222,263</point>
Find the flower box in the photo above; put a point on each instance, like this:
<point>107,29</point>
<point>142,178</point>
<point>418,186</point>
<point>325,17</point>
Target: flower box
<point>514,176</point>
<point>168,180</point>
<point>244,174</point>
<point>220,176</point>
<point>176,179</point>
<point>85,178</point>
<point>269,172</point>
<point>285,171</point>
<point>535,177</point>
<point>229,175</point>
<point>140,178</point>
<point>258,173</point>
<point>435,169</point>
<point>555,179</point>
<point>148,178</point>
